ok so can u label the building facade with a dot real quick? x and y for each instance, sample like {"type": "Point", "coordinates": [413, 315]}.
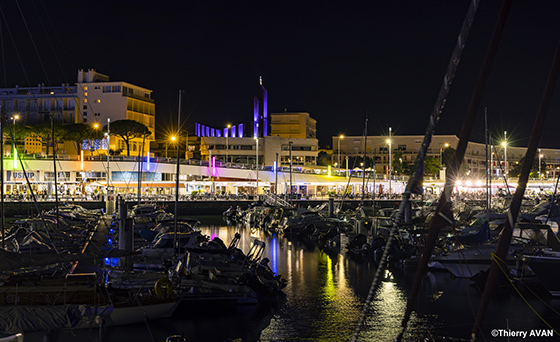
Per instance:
{"type": "Point", "coordinates": [501, 157]}
{"type": "Point", "coordinates": [293, 125]}
{"type": "Point", "coordinates": [93, 100]}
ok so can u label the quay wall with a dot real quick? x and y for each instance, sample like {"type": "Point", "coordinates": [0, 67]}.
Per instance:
{"type": "Point", "coordinates": [186, 208]}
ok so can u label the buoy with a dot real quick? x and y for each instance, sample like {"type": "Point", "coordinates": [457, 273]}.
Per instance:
{"type": "Point", "coordinates": [163, 287]}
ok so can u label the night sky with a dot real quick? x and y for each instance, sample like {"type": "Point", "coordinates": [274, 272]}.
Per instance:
{"type": "Point", "coordinates": [341, 61]}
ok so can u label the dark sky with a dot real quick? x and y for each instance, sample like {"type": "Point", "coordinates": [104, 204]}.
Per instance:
{"type": "Point", "coordinates": [341, 61]}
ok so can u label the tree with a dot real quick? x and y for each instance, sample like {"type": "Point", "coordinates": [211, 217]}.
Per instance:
{"type": "Point", "coordinates": [128, 130]}
{"type": "Point", "coordinates": [447, 156]}
{"type": "Point", "coordinates": [15, 132]}
{"type": "Point", "coordinates": [515, 170]}
{"type": "Point", "coordinates": [431, 166]}
{"type": "Point", "coordinates": [323, 159]}
{"type": "Point", "coordinates": [79, 132]}
{"type": "Point", "coordinates": [45, 132]}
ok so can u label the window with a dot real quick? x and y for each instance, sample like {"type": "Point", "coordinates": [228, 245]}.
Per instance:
{"type": "Point", "coordinates": [85, 120]}
{"type": "Point", "coordinates": [84, 107]}
{"type": "Point", "coordinates": [106, 89]}
{"type": "Point", "coordinates": [85, 100]}
{"type": "Point", "coordinates": [116, 89]}
{"type": "Point", "coordinates": [85, 88]}
{"type": "Point", "coordinates": [85, 94]}
{"type": "Point", "coordinates": [85, 113]}
{"type": "Point", "coordinates": [98, 101]}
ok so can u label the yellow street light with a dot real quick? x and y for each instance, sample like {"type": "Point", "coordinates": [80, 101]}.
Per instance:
{"type": "Point", "coordinates": [172, 138]}
{"type": "Point", "coordinates": [339, 138]}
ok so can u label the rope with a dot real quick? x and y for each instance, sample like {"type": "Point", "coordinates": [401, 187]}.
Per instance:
{"type": "Point", "coordinates": [500, 262]}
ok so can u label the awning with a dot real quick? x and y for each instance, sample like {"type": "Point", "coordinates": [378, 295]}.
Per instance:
{"type": "Point", "coordinates": [133, 185]}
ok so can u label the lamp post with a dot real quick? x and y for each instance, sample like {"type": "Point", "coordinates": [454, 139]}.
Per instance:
{"type": "Point", "coordinates": [390, 160]}
{"type": "Point", "coordinates": [540, 162]}
{"type": "Point", "coordinates": [290, 150]}
{"type": "Point", "coordinates": [339, 138]}
{"type": "Point", "coordinates": [257, 164]}
{"type": "Point", "coordinates": [227, 143]}
{"type": "Point", "coordinates": [92, 147]}
{"type": "Point", "coordinates": [446, 145]}
{"type": "Point", "coordinates": [504, 144]}
{"type": "Point", "coordinates": [172, 138]}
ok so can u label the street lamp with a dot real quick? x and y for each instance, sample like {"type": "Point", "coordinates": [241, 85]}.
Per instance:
{"type": "Point", "coordinates": [504, 144]}
{"type": "Point", "coordinates": [339, 138]}
{"type": "Point", "coordinates": [227, 143]}
{"type": "Point", "coordinates": [167, 145]}
{"type": "Point", "coordinates": [446, 145]}
{"type": "Point", "coordinates": [92, 147]}
{"type": "Point", "coordinates": [257, 164]}
{"type": "Point", "coordinates": [390, 160]}
{"type": "Point", "coordinates": [540, 161]}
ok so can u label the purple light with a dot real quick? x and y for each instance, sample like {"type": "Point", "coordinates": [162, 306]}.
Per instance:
{"type": "Point", "coordinates": [226, 133]}
{"type": "Point", "coordinates": [255, 117]}
{"type": "Point", "coordinates": [240, 131]}
{"type": "Point", "coordinates": [233, 131]}
{"type": "Point", "coordinates": [207, 131]}
{"type": "Point", "coordinates": [265, 111]}
{"type": "Point", "coordinates": [214, 166]}
{"type": "Point", "coordinates": [212, 132]}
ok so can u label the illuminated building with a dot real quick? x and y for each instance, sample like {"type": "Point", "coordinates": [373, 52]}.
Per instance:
{"type": "Point", "coordinates": [93, 99]}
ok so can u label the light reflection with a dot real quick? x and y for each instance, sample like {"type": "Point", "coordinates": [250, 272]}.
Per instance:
{"type": "Point", "coordinates": [274, 255]}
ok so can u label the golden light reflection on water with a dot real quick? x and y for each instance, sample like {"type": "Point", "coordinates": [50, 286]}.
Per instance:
{"type": "Point", "coordinates": [322, 300]}
{"type": "Point", "coordinates": [340, 306]}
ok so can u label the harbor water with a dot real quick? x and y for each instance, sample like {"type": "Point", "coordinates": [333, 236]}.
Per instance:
{"type": "Point", "coordinates": [325, 297]}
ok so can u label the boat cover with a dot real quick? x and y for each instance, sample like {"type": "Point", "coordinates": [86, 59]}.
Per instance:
{"type": "Point", "coordinates": [27, 319]}
{"type": "Point", "coordinates": [10, 261]}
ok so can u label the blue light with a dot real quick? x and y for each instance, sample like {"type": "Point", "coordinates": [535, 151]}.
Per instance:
{"type": "Point", "coordinates": [274, 166]}
{"type": "Point", "coordinates": [274, 255]}
{"type": "Point", "coordinates": [111, 261]}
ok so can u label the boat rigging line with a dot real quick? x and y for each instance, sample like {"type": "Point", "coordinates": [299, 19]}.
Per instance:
{"type": "Point", "coordinates": [515, 206]}
{"type": "Point", "coordinates": [414, 184]}
{"type": "Point", "coordinates": [443, 209]}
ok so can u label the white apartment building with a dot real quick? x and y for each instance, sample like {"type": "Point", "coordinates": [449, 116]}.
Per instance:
{"type": "Point", "coordinates": [94, 99]}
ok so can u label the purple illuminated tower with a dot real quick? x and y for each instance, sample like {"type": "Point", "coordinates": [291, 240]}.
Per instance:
{"type": "Point", "coordinates": [260, 113]}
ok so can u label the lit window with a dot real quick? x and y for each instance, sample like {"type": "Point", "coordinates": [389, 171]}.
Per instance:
{"type": "Point", "coordinates": [85, 100]}
{"type": "Point", "coordinates": [85, 88]}
{"type": "Point", "coordinates": [98, 101]}
{"type": "Point", "coordinates": [85, 94]}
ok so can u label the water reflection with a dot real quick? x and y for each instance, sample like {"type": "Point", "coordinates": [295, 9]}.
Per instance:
{"type": "Point", "coordinates": [324, 301]}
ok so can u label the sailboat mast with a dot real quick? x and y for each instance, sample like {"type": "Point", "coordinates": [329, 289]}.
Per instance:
{"type": "Point", "coordinates": [2, 172]}
{"type": "Point", "coordinates": [364, 167]}
{"type": "Point", "coordinates": [487, 170]}
{"type": "Point", "coordinates": [177, 179]}
{"type": "Point", "coordinates": [55, 174]}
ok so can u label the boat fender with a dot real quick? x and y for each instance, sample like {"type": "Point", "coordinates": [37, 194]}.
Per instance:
{"type": "Point", "coordinates": [163, 287]}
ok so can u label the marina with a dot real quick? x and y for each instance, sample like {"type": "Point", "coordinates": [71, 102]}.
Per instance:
{"type": "Point", "coordinates": [252, 231]}
{"type": "Point", "coordinates": [326, 290]}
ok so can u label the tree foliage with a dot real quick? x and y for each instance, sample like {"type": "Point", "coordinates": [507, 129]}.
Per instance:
{"type": "Point", "coordinates": [431, 166]}
{"type": "Point", "coordinates": [79, 132]}
{"type": "Point", "coordinates": [447, 156]}
{"type": "Point", "coordinates": [515, 169]}
{"type": "Point", "coordinates": [128, 130]}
